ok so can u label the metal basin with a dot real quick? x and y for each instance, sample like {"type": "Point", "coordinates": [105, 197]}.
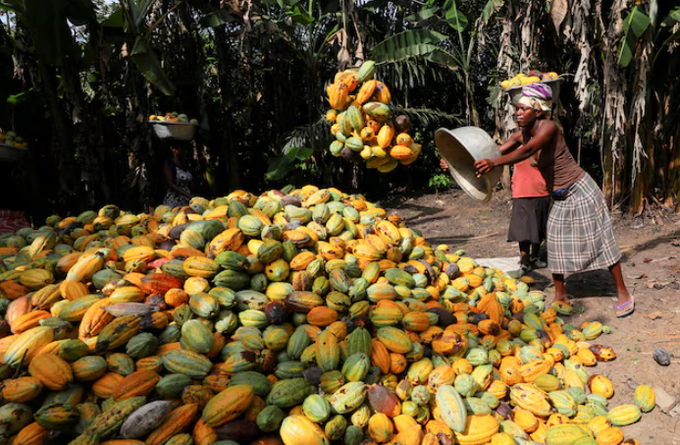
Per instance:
{"type": "Point", "coordinates": [461, 148]}
{"type": "Point", "coordinates": [183, 131]}
{"type": "Point", "coordinates": [11, 153]}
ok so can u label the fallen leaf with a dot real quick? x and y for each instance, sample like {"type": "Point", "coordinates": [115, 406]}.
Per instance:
{"type": "Point", "coordinates": [654, 315]}
{"type": "Point", "coordinates": [647, 260]}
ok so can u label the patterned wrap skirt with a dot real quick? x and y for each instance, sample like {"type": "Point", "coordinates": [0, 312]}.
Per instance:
{"type": "Point", "coordinates": [580, 232]}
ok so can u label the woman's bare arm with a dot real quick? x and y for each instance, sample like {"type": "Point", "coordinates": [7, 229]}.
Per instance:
{"type": "Point", "coordinates": [544, 135]}
{"type": "Point", "coordinates": [512, 143]}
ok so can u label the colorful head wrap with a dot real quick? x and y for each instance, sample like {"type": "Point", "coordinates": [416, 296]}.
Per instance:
{"type": "Point", "coordinates": [537, 96]}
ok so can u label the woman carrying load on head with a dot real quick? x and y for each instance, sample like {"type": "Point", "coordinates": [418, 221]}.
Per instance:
{"type": "Point", "coordinates": [177, 177]}
{"type": "Point", "coordinates": [580, 232]}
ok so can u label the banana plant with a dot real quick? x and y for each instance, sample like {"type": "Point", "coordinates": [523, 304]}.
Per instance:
{"type": "Point", "coordinates": [309, 29]}
{"type": "Point", "coordinates": [132, 17]}
{"type": "Point", "coordinates": [453, 52]}
{"type": "Point", "coordinates": [48, 25]}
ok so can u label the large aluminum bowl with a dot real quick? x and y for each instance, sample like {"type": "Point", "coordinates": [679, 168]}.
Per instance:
{"type": "Point", "coordinates": [461, 148]}
{"type": "Point", "coordinates": [183, 131]}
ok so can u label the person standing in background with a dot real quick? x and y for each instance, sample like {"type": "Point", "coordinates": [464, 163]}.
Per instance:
{"type": "Point", "coordinates": [530, 208]}
{"type": "Point", "coordinates": [177, 177]}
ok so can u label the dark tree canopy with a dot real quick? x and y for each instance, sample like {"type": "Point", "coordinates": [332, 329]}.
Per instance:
{"type": "Point", "coordinates": [78, 80]}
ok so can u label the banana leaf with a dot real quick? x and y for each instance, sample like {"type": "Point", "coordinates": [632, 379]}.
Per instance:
{"type": "Point", "coordinates": [150, 67]}
{"type": "Point", "coordinates": [411, 43]}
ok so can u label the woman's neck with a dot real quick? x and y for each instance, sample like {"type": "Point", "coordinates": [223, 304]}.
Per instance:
{"type": "Point", "coordinates": [534, 127]}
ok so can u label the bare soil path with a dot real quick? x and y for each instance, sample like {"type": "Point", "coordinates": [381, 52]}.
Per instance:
{"type": "Point", "coordinates": [651, 267]}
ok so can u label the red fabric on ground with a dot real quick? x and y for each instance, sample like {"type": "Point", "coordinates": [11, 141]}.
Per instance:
{"type": "Point", "coordinates": [12, 220]}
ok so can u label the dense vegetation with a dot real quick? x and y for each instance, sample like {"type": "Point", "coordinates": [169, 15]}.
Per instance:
{"type": "Point", "coordinates": [79, 78]}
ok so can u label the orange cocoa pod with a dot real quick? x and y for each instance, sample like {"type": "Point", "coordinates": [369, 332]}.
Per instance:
{"type": "Point", "coordinates": [22, 389]}
{"type": "Point", "coordinates": [12, 290]}
{"type": "Point", "coordinates": [17, 308]}
{"type": "Point", "coordinates": [6, 341]}
{"type": "Point", "coordinates": [321, 316]}
{"type": "Point", "coordinates": [72, 290]}
{"type": "Point", "coordinates": [106, 385]}
{"type": "Point", "coordinates": [397, 363]}
{"type": "Point", "coordinates": [139, 383]}
{"type": "Point", "coordinates": [28, 321]}
{"type": "Point", "coordinates": [178, 419]}
{"type": "Point", "coordinates": [380, 356]}
{"type": "Point", "coordinates": [53, 371]}
{"type": "Point", "coordinates": [95, 319]}
{"type": "Point", "coordinates": [31, 434]}
{"type": "Point", "coordinates": [217, 382]}
{"type": "Point", "coordinates": [203, 434]}
{"type": "Point", "coordinates": [176, 297]}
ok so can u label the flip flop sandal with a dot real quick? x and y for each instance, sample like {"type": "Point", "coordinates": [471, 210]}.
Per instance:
{"type": "Point", "coordinates": [626, 308]}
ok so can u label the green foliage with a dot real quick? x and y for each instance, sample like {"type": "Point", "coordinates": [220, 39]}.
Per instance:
{"type": "Point", "coordinates": [489, 9]}
{"type": "Point", "coordinates": [634, 25]}
{"type": "Point", "coordinates": [411, 43]}
{"type": "Point", "coordinates": [296, 157]}
{"type": "Point", "coordinates": [16, 99]}
{"type": "Point", "coordinates": [440, 181]}
{"type": "Point", "coordinates": [255, 75]}
{"type": "Point", "coordinates": [150, 66]}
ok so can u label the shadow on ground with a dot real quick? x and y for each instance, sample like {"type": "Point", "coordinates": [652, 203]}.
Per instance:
{"type": "Point", "coordinates": [628, 251]}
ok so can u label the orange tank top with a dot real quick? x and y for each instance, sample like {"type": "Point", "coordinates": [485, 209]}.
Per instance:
{"type": "Point", "coordinates": [527, 181]}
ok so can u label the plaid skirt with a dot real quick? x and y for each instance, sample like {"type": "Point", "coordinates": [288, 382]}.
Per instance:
{"type": "Point", "coordinates": [580, 232]}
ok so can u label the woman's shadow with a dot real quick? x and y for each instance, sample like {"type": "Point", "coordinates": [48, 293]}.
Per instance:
{"type": "Point", "coordinates": [590, 284]}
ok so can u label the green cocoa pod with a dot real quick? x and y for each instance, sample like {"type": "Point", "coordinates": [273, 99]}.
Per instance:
{"type": "Point", "coordinates": [270, 418]}
{"type": "Point", "coordinates": [316, 408]}
{"type": "Point", "coordinates": [289, 393]}
{"type": "Point", "coordinates": [349, 397]}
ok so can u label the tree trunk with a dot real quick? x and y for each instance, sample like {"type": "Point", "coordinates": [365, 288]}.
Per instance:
{"type": "Point", "coordinates": [673, 196]}
{"type": "Point", "coordinates": [70, 193]}
{"type": "Point", "coordinates": [228, 156]}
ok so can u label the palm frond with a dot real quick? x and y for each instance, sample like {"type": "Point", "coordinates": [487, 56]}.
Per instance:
{"type": "Point", "coordinates": [411, 43]}
{"type": "Point", "coordinates": [316, 136]}
{"type": "Point", "coordinates": [410, 73]}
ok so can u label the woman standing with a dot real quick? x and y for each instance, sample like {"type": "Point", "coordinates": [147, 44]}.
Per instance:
{"type": "Point", "coordinates": [530, 208]}
{"type": "Point", "coordinates": [580, 232]}
{"type": "Point", "coordinates": [177, 177]}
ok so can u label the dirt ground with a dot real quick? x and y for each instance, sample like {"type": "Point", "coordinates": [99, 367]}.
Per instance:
{"type": "Point", "coordinates": [651, 267]}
